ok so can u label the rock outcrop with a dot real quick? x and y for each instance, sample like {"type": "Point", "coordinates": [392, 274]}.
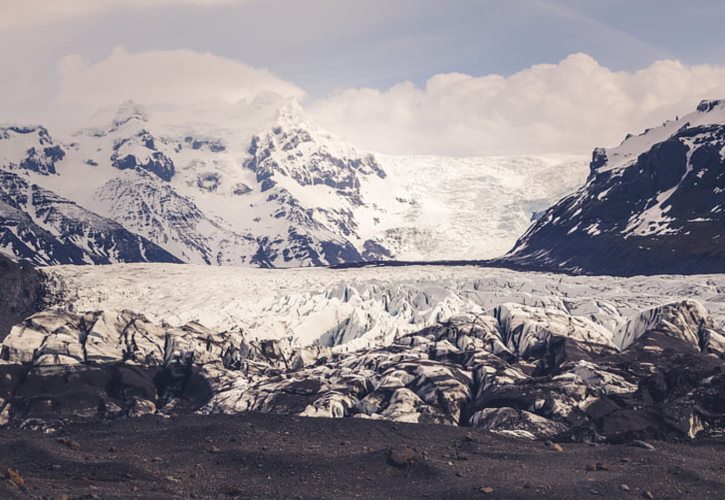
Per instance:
{"type": "Point", "coordinates": [21, 293]}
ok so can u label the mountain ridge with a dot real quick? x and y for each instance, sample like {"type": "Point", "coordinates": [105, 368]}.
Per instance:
{"type": "Point", "coordinates": [268, 188]}
{"type": "Point", "coordinates": [653, 205]}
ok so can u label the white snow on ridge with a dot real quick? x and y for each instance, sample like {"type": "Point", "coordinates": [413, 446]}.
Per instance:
{"type": "Point", "coordinates": [361, 307]}
{"type": "Point", "coordinates": [709, 113]}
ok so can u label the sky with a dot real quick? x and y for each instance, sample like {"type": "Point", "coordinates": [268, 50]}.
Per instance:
{"type": "Point", "coordinates": [448, 77]}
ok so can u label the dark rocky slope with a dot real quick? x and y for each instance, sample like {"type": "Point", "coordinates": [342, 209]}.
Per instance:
{"type": "Point", "coordinates": [654, 205]}
{"type": "Point", "coordinates": [20, 293]}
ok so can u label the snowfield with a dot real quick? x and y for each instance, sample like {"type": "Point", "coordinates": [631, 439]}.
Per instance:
{"type": "Point", "coordinates": [352, 308]}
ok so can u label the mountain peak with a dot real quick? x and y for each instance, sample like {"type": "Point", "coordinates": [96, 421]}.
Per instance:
{"type": "Point", "coordinates": [129, 110]}
{"type": "Point", "coordinates": [708, 105]}
{"type": "Point", "coordinates": [292, 115]}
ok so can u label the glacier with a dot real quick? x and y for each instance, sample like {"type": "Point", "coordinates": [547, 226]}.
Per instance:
{"type": "Point", "coordinates": [532, 355]}
{"type": "Point", "coordinates": [360, 307]}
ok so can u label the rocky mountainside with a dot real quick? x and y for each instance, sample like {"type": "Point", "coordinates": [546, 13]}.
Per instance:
{"type": "Point", "coordinates": [260, 186]}
{"type": "Point", "coordinates": [21, 293]}
{"type": "Point", "coordinates": [653, 205]}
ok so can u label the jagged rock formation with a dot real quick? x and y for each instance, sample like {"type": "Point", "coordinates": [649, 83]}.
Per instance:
{"type": "Point", "coordinates": [538, 376]}
{"type": "Point", "coordinates": [653, 205]}
{"type": "Point", "coordinates": [39, 226]}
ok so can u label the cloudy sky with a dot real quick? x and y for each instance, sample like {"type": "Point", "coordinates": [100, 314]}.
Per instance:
{"type": "Point", "coordinates": [452, 77]}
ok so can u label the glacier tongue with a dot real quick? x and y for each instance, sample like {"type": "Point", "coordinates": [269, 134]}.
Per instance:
{"type": "Point", "coordinates": [558, 378]}
{"type": "Point", "coordinates": [366, 306]}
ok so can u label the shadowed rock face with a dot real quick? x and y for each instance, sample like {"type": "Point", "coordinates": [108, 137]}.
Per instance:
{"type": "Point", "coordinates": [40, 154]}
{"type": "Point", "coordinates": [525, 372]}
{"type": "Point", "coordinates": [41, 227]}
{"type": "Point", "coordinates": [660, 210]}
{"type": "Point", "coordinates": [20, 293]}
{"type": "Point", "coordinates": [152, 160]}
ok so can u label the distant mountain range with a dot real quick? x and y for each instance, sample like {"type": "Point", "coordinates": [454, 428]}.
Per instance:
{"type": "Point", "coordinates": [653, 205]}
{"type": "Point", "coordinates": [264, 188]}
{"type": "Point", "coordinates": [268, 188]}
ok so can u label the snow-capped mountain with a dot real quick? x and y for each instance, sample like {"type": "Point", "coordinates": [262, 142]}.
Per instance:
{"type": "Point", "coordinates": [40, 226]}
{"type": "Point", "coordinates": [653, 205]}
{"type": "Point", "coordinates": [263, 186]}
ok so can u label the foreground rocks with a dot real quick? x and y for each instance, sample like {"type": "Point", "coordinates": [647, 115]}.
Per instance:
{"type": "Point", "coordinates": [522, 371]}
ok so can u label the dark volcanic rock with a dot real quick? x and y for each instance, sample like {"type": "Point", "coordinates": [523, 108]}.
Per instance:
{"type": "Point", "coordinates": [651, 206]}
{"type": "Point", "coordinates": [21, 292]}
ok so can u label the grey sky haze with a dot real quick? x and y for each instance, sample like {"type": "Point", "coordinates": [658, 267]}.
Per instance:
{"type": "Point", "coordinates": [328, 46]}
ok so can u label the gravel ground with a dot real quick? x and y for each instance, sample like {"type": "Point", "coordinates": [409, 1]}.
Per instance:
{"type": "Point", "coordinates": [268, 456]}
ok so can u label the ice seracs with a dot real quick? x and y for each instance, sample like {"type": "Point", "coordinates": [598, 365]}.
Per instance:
{"type": "Point", "coordinates": [530, 355]}
{"type": "Point", "coordinates": [123, 364]}
{"type": "Point", "coordinates": [359, 307]}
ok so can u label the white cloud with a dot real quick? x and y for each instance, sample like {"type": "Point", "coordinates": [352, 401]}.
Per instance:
{"type": "Point", "coordinates": [172, 78]}
{"type": "Point", "coordinates": [26, 13]}
{"type": "Point", "coordinates": [570, 106]}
